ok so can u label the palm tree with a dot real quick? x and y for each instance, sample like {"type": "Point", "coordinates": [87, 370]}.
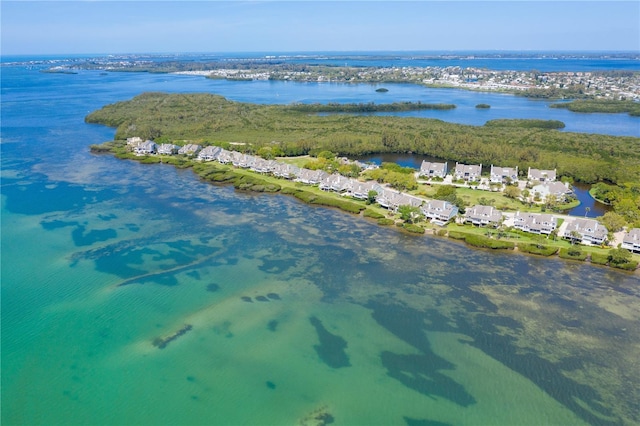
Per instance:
{"type": "Point", "coordinates": [586, 211]}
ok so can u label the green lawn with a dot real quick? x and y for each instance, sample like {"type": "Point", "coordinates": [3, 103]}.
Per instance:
{"type": "Point", "coordinates": [497, 199]}
{"type": "Point", "coordinates": [296, 161]}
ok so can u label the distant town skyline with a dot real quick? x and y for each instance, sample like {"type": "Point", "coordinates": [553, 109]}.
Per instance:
{"type": "Point", "coordinates": [112, 27]}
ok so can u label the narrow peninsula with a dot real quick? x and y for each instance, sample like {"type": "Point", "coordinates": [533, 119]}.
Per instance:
{"type": "Point", "coordinates": [291, 150]}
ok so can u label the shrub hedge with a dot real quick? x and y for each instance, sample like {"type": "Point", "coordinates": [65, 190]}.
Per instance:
{"type": "Point", "coordinates": [372, 214]}
{"type": "Point", "coordinates": [570, 253]}
{"type": "Point", "coordinates": [416, 229]}
{"type": "Point", "coordinates": [481, 241]}
{"type": "Point", "coordinates": [537, 249]}
{"type": "Point", "coordinates": [599, 259]}
{"type": "Point", "coordinates": [456, 235]}
{"type": "Point", "coordinates": [629, 266]}
{"type": "Point", "coordinates": [311, 198]}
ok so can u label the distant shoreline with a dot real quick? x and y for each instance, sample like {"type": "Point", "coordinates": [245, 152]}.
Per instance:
{"type": "Point", "coordinates": [463, 70]}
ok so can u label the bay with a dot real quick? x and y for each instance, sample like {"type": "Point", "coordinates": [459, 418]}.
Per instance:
{"type": "Point", "coordinates": [297, 313]}
{"type": "Point", "coordinates": [503, 106]}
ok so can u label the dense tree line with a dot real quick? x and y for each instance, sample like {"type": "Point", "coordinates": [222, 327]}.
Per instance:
{"type": "Point", "coordinates": [526, 123]}
{"type": "Point", "coordinates": [396, 179]}
{"type": "Point", "coordinates": [366, 107]}
{"type": "Point", "coordinates": [601, 105]}
{"type": "Point", "coordinates": [625, 200]}
{"type": "Point", "coordinates": [211, 119]}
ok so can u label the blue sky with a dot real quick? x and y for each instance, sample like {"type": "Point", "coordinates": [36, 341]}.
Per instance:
{"type": "Point", "coordinates": [74, 27]}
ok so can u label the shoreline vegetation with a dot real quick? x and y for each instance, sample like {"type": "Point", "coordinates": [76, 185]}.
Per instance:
{"type": "Point", "coordinates": [526, 124]}
{"type": "Point", "coordinates": [366, 107]}
{"type": "Point", "coordinates": [601, 106]}
{"type": "Point", "coordinates": [217, 121]}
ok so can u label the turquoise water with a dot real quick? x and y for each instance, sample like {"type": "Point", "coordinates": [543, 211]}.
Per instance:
{"type": "Point", "coordinates": [296, 313]}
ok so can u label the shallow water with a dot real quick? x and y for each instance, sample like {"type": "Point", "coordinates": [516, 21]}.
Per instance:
{"type": "Point", "coordinates": [295, 311]}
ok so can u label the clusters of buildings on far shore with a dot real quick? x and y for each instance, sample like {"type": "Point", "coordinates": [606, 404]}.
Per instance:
{"type": "Point", "coordinates": [595, 84]}
{"type": "Point", "coordinates": [591, 83]}
{"type": "Point", "coordinates": [581, 230]}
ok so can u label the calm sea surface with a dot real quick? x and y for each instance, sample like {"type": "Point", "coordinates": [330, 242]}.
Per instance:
{"type": "Point", "coordinates": [268, 92]}
{"type": "Point", "coordinates": [296, 313]}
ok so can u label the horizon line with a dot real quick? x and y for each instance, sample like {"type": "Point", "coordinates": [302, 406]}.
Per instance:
{"type": "Point", "coordinates": [405, 51]}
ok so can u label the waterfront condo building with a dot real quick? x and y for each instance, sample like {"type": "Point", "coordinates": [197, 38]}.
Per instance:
{"type": "Point", "coordinates": [431, 170]}
{"type": "Point", "coordinates": [468, 172]}
{"type": "Point", "coordinates": [536, 175]}
{"type": "Point", "coordinates": [503, 174]}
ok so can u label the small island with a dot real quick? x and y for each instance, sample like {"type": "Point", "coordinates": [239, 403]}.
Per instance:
{"type": "Point", "coordinates": [601, 106]}
{"type": "Point", "coordinates": [59, 71]}
{"type": "Point", "coordinates": [382, 90]}
{"type": "Point", "coordinates": [483, 106]}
